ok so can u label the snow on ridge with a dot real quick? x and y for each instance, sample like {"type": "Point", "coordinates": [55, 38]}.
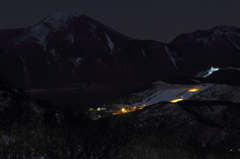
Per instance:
{"type": "Point", "coordinates": [143, 53]}
{"type": "Point", "coordinates": [60, 18]}
{"type": "Point", "coordinates": [110, 43]}
{"type": "Point", "coordinates": [223, 29]}
{"type": "Point", "coordinates": [213, 34]}
{"type": "Point", "coordinates": [57, 20]}
{"type": "Point", "coordinates": [100, 62]}
{"type": "Point", "coordinates": [197, 81]}
{"type": "Point", "coordinates": [53, 52]}
{"type": "Point", "coordinates": [171, 57]}
{"type": "Point", "coordinates": [40, 32]}
{"type": "Point", "coordinates": [56, 58]}
{"type": "Point", "coordinates": [210, 71]}
{"type": "Point", "coordinates": [93, 26]}
{"type": "Point", "coordinates": [22, 58]}
{"type": "Point", "coordinates": [234, 43]}
{"type": "Point", "coordinates": [78, 61]}
{"type": "Point", "coordinates": [70, 37]}
{"type": "Point", "coordinates": [230, 68]}
{"type": "Point", "coordinates": [92, 29]}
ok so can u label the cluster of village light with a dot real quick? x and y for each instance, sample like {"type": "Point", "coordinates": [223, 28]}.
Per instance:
{"type": "Point", "coordinates": [125, 109]}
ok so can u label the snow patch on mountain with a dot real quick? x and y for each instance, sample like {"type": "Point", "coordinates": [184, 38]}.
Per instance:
{"type": "Point", "coordinates": [92, 29]}
{"type": "Point", "coordinates": [70, 37]}
{"type": "Point", "coordinates": [212, 69]}
{"type": "Point", "coordinates": [57, 21]}
{"type": "Point", "coordinates": [22, 58]}
{"type": "Point", "coordinates": [40, 33]}
{"type": "Point", "coordinates": [110, 43]}
{"type": "Point", "coordinates": [207, 72]}
{"type": "Point", "coordinates": [56, 58]}
{"type": "Point", "coordinates": [202, 40]}
{"type": "Point", "coordinates": [223, 30]}
{"type": "Point", "coordinates": [209, 37]}
{"type": "Point", "coordinates": [234, 43]}
{"type": "Point", "coordinates": [93, 26]}
{"type": "Point", "coordinates": [37, 110]}
{"type": "Point", "coordinates": [53, 52]}
{"type": "Point", "coordinates": [100, 62]}
{"type": "Point", "coordinates": [78, 61]}
{"type": "Point", "coordinates": [60, 19]}
{"type": "Point", "coordinates": [197, 81]}
{"type": "Point", "coordinates": [230, 68]}
{"type": "Point", "coordinates": [171, 56]}
{"type": "Point", "coordinates": [143, 53]}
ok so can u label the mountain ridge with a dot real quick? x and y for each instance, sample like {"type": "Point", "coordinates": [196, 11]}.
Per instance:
{"type": "Point", "coordinates": [71, 50]}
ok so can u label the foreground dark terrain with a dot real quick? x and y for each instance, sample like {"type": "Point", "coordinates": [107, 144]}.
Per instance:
{"type": "Point", "coordinates": [188, 129]}
{"type": "Point", "coordinates": [72, 87]}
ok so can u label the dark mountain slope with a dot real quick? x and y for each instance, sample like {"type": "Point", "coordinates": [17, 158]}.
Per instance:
{"type": "Point", "coordinates": [71, 56]}
{"type": "Point", "coordinates": [202, 49]}
{"type": "Point", "coordinates": [209, 124]}
{"type": "Point", "coordinates": [70, 51]}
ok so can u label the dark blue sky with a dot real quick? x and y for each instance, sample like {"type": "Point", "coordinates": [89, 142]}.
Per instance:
{"type": "Point", "coordinates": [160, 20]}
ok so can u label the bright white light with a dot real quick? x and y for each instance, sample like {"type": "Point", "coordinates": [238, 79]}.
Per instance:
{"type": "Point", "coordinates": [212, 69]}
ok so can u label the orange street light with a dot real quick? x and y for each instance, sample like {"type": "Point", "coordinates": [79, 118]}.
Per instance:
{"type": "Point", "coordinates": [193, 89]}
{"type": "Point", "coordinates": [176, 100]}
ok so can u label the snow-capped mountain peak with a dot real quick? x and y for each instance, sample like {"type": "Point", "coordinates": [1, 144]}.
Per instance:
{"type": "Point", "coordinates": [53, 23]}
{"type": "Point", "coordinates": [207, 37]}
{"type": "Point", "coordinates": [61, 18]}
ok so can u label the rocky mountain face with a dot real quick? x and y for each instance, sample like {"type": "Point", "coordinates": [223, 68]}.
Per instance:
{"type": "Point", "coordinates": [71, 58]}
{"type": "Point", "coordinates": [202, 49]}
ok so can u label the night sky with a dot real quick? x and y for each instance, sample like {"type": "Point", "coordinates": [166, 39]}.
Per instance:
{"type": "Point", "coordinates": [160, 20]}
